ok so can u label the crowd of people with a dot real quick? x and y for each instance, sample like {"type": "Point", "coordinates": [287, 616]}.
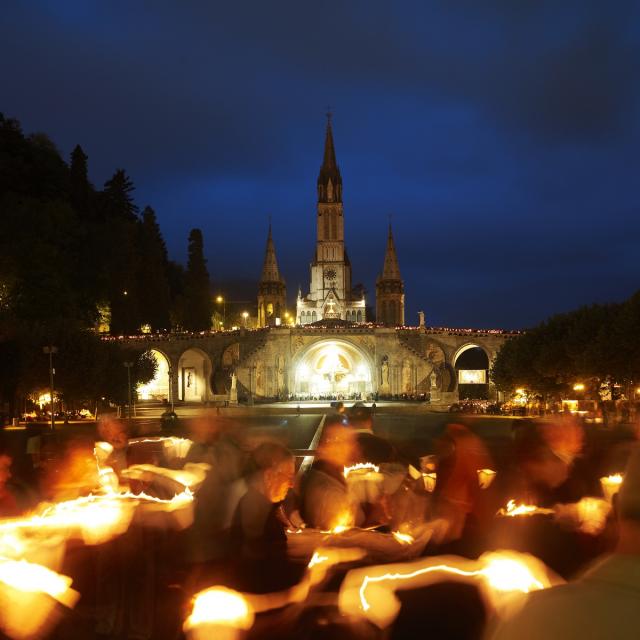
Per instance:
{"type": "Point", "coordinates": [260, 513]}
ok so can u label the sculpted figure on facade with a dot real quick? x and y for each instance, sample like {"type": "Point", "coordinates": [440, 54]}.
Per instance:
{"type": "Point", "coordinates": [384, 380]}
{"type": "Point", "coordinates": [280, 375]}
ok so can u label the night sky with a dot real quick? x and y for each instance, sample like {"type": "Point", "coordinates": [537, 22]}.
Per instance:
{"type": "Point", "coordinates": [502, 136]}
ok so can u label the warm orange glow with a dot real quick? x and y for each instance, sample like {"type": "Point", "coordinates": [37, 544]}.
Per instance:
{"type": "Point", "coordinates": [578, 386]}
{"type": "Point", "coordinates": [317, 559]}
{"type": "Point", "coordinates": [403, 538]}
{"type": "Point", "coordinates": [33, 578]}
{"type": "Point", "coordinates": [28, 596]}
{"type": "Point", "coordinates": [220, 606]}
{"type": "Point", "coordinates": [611, 485]}
{"type": "Point", "coordinates": [500, 573]}
{"type": "Point", "coordinates": [485, 477]}
{"type": "Point", "coordinates": [430, 480]}
{"type": "Point", "coordinates": [361, 467]}
{"type": "Point", "coordinates": [513, 510]}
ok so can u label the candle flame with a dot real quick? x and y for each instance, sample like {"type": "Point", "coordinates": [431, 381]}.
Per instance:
{"type": "Point", "coordinates": [512, 510]}
{"type": "Point", "coordinates": [220, 606]}
{"type": "Point", "coordinates": [317, 559]}
{"type": "Point", "coordinates": [403, 538]}
{"type": "Point", "coordinates": [500, 571]}
{"type": "Point", "coordinates": [361, 466]}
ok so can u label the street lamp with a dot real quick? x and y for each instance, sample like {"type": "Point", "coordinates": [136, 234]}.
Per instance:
{"type": "Point", "coordinates": [245, 315]}
{"type": "Point", "coordinates": [50, 350]}
{"type": "Point", "coordinates": [223, 302]}
{"type": "Point", "coordinates": [129, 365]}
{"type": "Point", "coordinates": [170, 374]}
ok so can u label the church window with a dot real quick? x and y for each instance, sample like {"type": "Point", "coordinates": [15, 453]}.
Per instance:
{"type": "Point", "coordinates": [359, 316]}
{"type": "Point", "coordinates": [326, 226]}
{"type": "Point", "coordinates": [313, 316]}
{"type": "Point", "coordinates": [334, 233]}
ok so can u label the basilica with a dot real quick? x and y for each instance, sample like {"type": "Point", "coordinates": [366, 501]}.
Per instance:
{"type": "Point", "coordinates": [330, 295]}
{"type": "Point", "coordinates": [332, 349]}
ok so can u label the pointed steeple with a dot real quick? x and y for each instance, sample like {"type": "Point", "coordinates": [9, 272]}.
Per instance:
{"type": "Point", "coordinates": [329, 179]}
{"type": "Point", "coordinates": [391, 269]}
{"type": "Point", "coordinates": [390, 288]}
{"type": "Point", "coordinates": [270, 271]}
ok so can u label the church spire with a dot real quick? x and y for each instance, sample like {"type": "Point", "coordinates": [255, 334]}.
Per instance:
{"type": "Point", "coordinates": [329, 179]}
{"type": "Point", "coordinates": [272, 292]}
{"type": "Point", "coordinates": [270, 271]}
{"type": "Point", "coordinates": [390, 288]}
{"type": "Point", "coordinates": [391, 269]}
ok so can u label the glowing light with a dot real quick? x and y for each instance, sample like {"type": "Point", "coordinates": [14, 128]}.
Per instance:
{"type": "Point", "coordinates": [578, 386]}
{"type": "Point", "coordinates": [430, 480]}
{"type": "Point", "coordinates": [403, 538]}
{"type": "Point", "coordinates": [317, 559]}
{"type": "Point", "coordinates": [33, 578]}
{"type": "Point", "coordinates": [520, 391]}
{"type": "Point", "coordinates": [485, 477]}
{"type": "Point", "coordinates": [220, 606]}
{"type": "Point", "coordinates": [360, 467]}
{"type": "Point", "coordinates": [501, 572]}
{"type": "Point", "coordinates": [611, 485]}
{"type": "Point", "coordinates": [513, 510]}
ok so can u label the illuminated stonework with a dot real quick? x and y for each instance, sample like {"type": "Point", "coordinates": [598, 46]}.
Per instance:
{"type": "Point", "coordinates": [333, 368]}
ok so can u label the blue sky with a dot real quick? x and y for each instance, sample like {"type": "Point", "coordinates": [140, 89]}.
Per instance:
{"type": "Point", "coordinates": [502, 136]}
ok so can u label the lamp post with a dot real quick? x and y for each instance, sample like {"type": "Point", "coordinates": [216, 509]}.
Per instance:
{"type": "Point", "coordinates": [245, 315]}
{"type": "Point", "coordinates": [221, 300]}
{"type": "Point", "coordinates": [170, 374]}
{"type": "Point", "coordinates": [128, 365]}
{"type": "Point", "coordinates": [50, 350]}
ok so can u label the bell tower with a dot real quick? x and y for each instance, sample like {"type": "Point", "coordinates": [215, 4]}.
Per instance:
{"type": "Point", "coordinates": [272, 291]}
{"type": "Point", "coordinates": [330, 270]}
{"type": "Point", "coordinates": [390, 288]}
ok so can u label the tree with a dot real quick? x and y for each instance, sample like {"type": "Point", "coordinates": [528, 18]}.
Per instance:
{"type": "Point", "coordinates": [198, 305]}
{"type": "Point", "coordinates": [153, 282]}
{"type": "Point", "coordinates": [120, 259]}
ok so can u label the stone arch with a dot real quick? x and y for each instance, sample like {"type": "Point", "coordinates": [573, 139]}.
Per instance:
{"type": "Point", "coordinates": [331, 368]}
{"type": "Point", "coordinates": [194, 375]}
{"type": "Point", "coordinates": [160, 387]}
{"type": "Point", "coordinates": [359, 316]}
{"type": "Point", "coordinates": [471, 362]}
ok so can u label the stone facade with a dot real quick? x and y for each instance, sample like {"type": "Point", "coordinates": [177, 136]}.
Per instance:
{"type": "Point", "coordinates": [268, 363]}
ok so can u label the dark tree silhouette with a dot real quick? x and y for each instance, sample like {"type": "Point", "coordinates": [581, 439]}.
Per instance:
{"type": "Point", "coordinates": [198, 304]}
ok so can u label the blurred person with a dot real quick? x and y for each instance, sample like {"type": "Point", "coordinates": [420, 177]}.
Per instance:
{"type": "Point", "coordinates": [603, 602]}
{"type": "Point", "coordinates": [126, 566]}
{"type": "Point", "coordinates": [259, 527]}
{"type": "Point", "coordinates": [207, 541]}
{"type": "Point", "coordinates": [552, 460]}
{"type": "Point", "coordinates": [459, 500]}
{"type": "Point", "coordinates": [9, 502]}
{"type": "Point", "coordinates": [324, 495]}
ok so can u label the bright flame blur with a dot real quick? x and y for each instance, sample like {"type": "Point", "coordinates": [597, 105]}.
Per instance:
{"type": "Point", "coordinates": [28, 596]}
{"type": "Point", "coordinates": [611, 485]}
{"type": "Point", "coordinates": [317, 559]}
{"type": "Point", "coordinates": [502, 575]}
{"type": "Point", "coordinates": [485, 477]}
{"type": "Point", "coordinates": [513, 510]}
{"type": "Point", "coordinates": [361, 466]}
{"type": "Point", "coordinates": [220, 606]}
{"type": "Point", "coordinates": [403, 538]}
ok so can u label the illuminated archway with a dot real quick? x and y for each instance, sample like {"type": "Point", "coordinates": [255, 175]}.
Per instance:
{"type": "Point", "coordinates": [471, 364]}
{"type": "Point", "coordinates": [158, 388]}
{"type": "Point", "coordinates": [194, 373]}
{"type": "Point", "coordinates": [333, 368]}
